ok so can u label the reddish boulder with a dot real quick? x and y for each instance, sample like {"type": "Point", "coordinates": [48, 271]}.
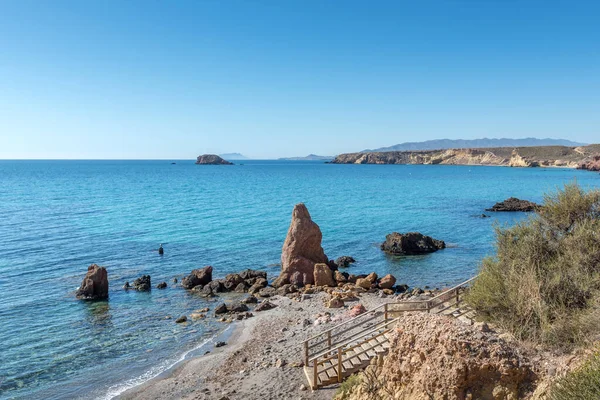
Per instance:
{"type": "Point", "coordinates": [323, 276]}
{"type": "Point", "coordinates": [94, 285]}
{"type": "Point", "coordinates": [302, 248]}
{"type": "Point", "coordinates": [387, 282]}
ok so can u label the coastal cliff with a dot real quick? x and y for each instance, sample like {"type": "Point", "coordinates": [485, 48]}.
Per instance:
{"type": "Point", "coordinates": [543, 156]}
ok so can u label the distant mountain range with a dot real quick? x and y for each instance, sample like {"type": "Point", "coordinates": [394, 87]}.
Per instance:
{"type": "Point", "coordinates": [442, 144]}
{"type": "Point", "coordinates": [233, 156]}
{"type": "Point", "coordinates": [310, 157]}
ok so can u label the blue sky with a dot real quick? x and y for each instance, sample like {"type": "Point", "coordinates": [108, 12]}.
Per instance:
{"type": "Point", "coordinates": [155, 79]}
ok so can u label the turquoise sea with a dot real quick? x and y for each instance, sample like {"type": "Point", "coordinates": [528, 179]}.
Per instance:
{"type": "Point", "coordinates": [58, 217]}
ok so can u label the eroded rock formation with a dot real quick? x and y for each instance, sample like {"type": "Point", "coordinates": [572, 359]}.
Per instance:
{"type": "Point", "coordinates": [536, 156]}
{"type": "Point", "coordinates": [301, 249]}
{"type": "Point", "coordinates": [94, 285]}
{"type": "Point", "coordinates": [437, 357]}
{"type": "Point", "coordinates": [411, 243]}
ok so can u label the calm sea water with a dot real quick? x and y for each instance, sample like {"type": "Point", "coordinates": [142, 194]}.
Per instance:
{"type": "Point", "coordinates": [57, 217]}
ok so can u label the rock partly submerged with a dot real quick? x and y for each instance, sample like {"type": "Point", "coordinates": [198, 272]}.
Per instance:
{"type": "Point", "coordinates": [411, 243]}
{"type": "Point", "coordinates": [94, 285]}
{"type": "Point", "coordinates": [211, 159]}
{"type": "Point", "coordinates": [513, 204]}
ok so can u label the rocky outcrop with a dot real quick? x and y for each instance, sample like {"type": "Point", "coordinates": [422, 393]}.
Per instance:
{"type": "Point", "coordinates": [211, 159]}
{"type": "Point", "coordinates": [142, 284]}
{"type": "Point", "coordinates": [201, 276]}
{"type": "Point", "coordinates": [536, 156]}
{"type": "Point", "coordinates": [514, 204]}
{"type": "Point", "coordinates": [411, 243]}
{"type": "Point", "coordinates": [590, 164]}
{"type": "Point", "coordinates": [301, 249]}
{"type": "Point", "coordinates": [437, 357]}
{"type": "Point", "coordinates": [94, 285]}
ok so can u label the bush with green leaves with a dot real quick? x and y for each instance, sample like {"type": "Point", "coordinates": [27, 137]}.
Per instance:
{"type": "Point", "coordinates": [543, 285]}
{"type": "Point", "coordinates": [581, 384]}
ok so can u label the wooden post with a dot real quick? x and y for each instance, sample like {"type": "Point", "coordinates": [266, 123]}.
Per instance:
{"type": "Point", "coordinates": [328, 340]}
{"type": "Point", "coordinates": [339, 365]}
{"type": "Point", "coordinates": [427, 304]}
{"type": "Point", "coordinates": [306, 353]}
{"type": "Point", "coordinates": [315, 373]}
{"type": "Point", "coordinates": [385, 313]}
{"type": "Point", "coordinates": [457, 295]}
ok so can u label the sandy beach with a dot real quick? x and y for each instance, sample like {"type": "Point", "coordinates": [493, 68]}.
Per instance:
{"type": "Point", "coordinates": [261, 360]}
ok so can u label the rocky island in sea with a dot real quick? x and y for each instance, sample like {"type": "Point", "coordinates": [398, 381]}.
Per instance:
{"type": "Point", "coordinates": [211, 159]}
{"type": "Point", "coordinates": [583, 157]}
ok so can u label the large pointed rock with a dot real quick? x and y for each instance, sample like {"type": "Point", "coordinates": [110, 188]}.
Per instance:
{"type": "Point", "coordinates": [94, 285]}
{"type": "Point", "coordinates": [301, 249]}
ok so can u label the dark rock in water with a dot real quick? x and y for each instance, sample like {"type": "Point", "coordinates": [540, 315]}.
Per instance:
{"type": "Point", "coordinates": [301, 249]}
{"type": "Point", "coordinates": [220, 344]}
{"type": "Point", "coordinates": [264, 306]}
{"type": "Point", "coordinates": [162, 285]}
{"type": "Point", "coordinates": [401, 288]}
{"type": "Point", "coordinates": [211, 159]}
{"type": "Point", "coordinates": [514, 204]}
{"type": "Point", "coordinates": [484, 216]}
{"type": "Point", "coordinates": [94, 285]}
{"type": "Point", "coordinates": [344, 261]}
{"type": "Point", "coordinates": [237, 307]}
{"type": "Point", "coordinates": [250, 300]}
{"type": "Point", "coordinates": [216, 286]}
{"type": "Point", "coordinates": [201, 276]}
{"type": "Point", "coordinates": [161, 251]}
{"type": "Point", "coordinates": [220, 309]}
{"type": "Point", "coordinates": [411, 243]}
{"type": "Point", "coordinates": [142, 283]}
{"type": "Point", "coordinates": [126, 286]}
{"type": "Point", "coordinates": [181, 319]}
{"type": "Point", "coordinates": [174, 280]}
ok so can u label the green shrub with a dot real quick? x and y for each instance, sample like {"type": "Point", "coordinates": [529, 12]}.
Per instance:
{"type": "Point", "coordinates": [347, 387]}
{"type": "Point", "coordinates": [580, 384]}
{"type": "Point", "coordinates": [543, 284]}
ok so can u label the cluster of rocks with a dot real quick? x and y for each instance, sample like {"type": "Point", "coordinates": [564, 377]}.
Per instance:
{"type": "Point", "coordinates": [247, 281]}
{"type": "Point", "coordinates": [514, 204]}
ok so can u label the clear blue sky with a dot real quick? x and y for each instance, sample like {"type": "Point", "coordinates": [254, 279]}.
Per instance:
{"type": "Point", "coordinates": [173, 79]}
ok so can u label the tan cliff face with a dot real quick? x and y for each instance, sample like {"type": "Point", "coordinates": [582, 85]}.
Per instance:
{"type": "Point", "coordinates": [543, 156]}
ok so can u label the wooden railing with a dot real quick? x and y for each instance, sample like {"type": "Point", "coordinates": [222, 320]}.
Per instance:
{"type": "Point", "coordinates": [333, 343]}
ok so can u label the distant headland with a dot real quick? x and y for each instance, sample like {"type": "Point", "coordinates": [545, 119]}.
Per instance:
{"type": "Point", "coordinates": [583, 157]}
{"type": "Point", "coordinates": [233, 156]}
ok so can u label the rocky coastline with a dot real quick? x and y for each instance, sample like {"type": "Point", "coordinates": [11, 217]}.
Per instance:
{"type": "Point", "coordinates": [582, 157]}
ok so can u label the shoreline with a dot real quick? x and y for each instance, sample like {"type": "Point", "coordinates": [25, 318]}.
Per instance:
{"type": "Point", "coordinates": [262, 358]}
